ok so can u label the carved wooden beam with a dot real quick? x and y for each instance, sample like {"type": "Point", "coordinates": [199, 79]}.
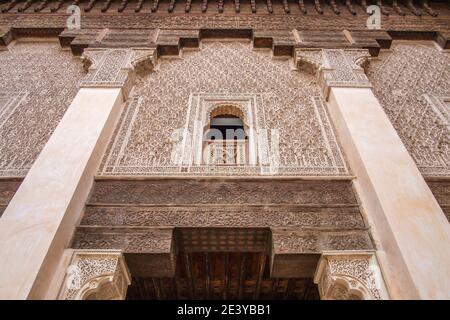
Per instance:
{"type": "Point", "coordinates": [412, 8]}
{"type": "Point", "coordinates": [253, 5]}
{"type": "Point", "coordinates": [76, 2]}
{"type": "Point", "coordinates": [122, 6]}
{"type": "Point", "coordinates": [241, 276]}
{"type": "Point", "coordinates": [382, 8]}
{"type": "Point", "coordinates": [286, 6]}
{"type": "Point", "coordinates": [295, 252]}
{"type": "Point", "coordinates": [220, 5]}
{"type": "Point", "coordinates": [40, 7]}
{"type": "Point", "coordinates": [397, 8]}
{"type": "Point", "coordinates": [301, 4]}
{"type": "Point", "coordinates": [171, 6]}
{"type": "Point", "coordinates": [89, 6]}
{"type": "Point", "coordinates": [191, 285]}
{"type": "Point", "coordinates": [225, 276]}
{"type": "Point", "coordinates": [208, 275]}
{"type": "Point", "coordinates": [139, 6]}
{"type": "Point", "coordinates": [106, 5]}
{"type": "Point", "coordinates": [348, 4]}
{"type": "Point", "coordinates": [57, 6]}
{"type": "Point", "coordinates": [269, 6]}
{"type": "Point", "coordinates": [10, 5]}
{"type": "Point", "coordinates": [318, 7]}
{"type": "Point", "coordinates": [261, 265]}
{"type": "Point", "coordinates": [155, 5]}
{"type": "Point", "coordinates": [427, 8]}
{"type": "Point", "coordinates": [187, 8]}
{"type": "Point", "coordinates": [335, 7]}
{"type": "Point", "coordinates": [364, 5]}
{"type": "Point", "coordinates": [25, 6]}
{"type": "Point", "coordinates": [204, 5]}
{"type": "Point", "coordinates": [237, 6]}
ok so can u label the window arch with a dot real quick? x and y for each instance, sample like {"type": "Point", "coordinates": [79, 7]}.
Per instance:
{"type": "Point", "coordinates": [225, 138]}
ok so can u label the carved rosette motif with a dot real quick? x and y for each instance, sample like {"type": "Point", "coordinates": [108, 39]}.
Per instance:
{"type": "Point", "coordinates": [335, 67]}
{"type": "Point", "coordinates": [96, 275]}
{"type": "Point", "coordinates": [116, 68]}
{"type": "Point", "coordinates": [352, 275]}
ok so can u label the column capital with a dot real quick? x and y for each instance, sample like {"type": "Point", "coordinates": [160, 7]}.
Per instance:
{"type": "Point", "coordinates": [335, 67]}
{"type": "Point", "coordinates": [116, 68]}
{"type": "Point", "coordinates": [96, 275]}
{"type": "Point", "coordinates": [350, 275]}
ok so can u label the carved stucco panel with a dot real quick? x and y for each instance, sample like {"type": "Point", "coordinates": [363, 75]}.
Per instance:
{"type": "Point", "coordinates": [350, 275]}
{"type": "Point", "coordinates": [37, 84]}
{"type": "Point", "coordinates": [412, 83]}
{"type": "Point", "coordinates": [143, 140]}
{"type": "Point", "coordinates": [96, 275]}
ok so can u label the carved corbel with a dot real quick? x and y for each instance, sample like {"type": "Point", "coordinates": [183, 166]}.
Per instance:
{"type": "Point", "coordinates": [351, 275]}
{"type": "Point", "coordinates": [96, 275]}
{"type": "Point", "coordinates": [116, 68]}
{"type": "Point", "coordinates": [335, 67]}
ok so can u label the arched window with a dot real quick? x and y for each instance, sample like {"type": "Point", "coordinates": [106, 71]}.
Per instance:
{"type": "Point", "coordinates": [226, 127]}
{"type": "Point", "coordinates": [225, 139]}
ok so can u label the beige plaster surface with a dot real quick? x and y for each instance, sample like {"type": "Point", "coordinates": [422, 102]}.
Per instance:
{"type": "Point", "coordinates": [412, 230]}
{"type": "Point", "coordinates": [37, 224]}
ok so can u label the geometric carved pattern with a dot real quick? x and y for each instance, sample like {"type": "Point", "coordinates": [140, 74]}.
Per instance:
{"type": "Point", "coordinates": [96, 275]}
{"type": "Point", "coordinates": [116, 68]}
{"type": "Point", "coordinates": [138, 216]}
{"type": "Point", "coordinates": [38, 82]}
{"type": "Point", "coordinates": [335, 67]}
{"type": "Point", "coordinates": [350, 276]}
{"type": "Point", "coordinates": [143, 141]}
{"type": "Point", "coordinates": [255, 216]}
{"type": "Point", "coordinates": [292, 241]}
{"type": "Point", "coordinates": [412, 83]}
{"type": "Point", "coordinates": [222, 192]}
{"type": "Point", "coordinates": [135, 240]}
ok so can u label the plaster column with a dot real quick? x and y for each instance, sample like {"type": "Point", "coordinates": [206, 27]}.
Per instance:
{"type": "Point", "coordinates": [412, 232]}
{"type": "Point", "coordinates": [39, 221]}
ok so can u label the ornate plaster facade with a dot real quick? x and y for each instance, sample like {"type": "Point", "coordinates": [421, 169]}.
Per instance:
{"type": "Point", "coordinates": [168, 100]}
{"type": "Point", "coordinates": [37, 84]}
{"type": "Point", "coordinates": [417, 76]}
{"type": "Point", "coordinates": [343, 193]}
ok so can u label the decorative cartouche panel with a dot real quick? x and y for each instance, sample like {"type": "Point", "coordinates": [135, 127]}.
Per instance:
{"type": "Point", "coordinates": [37, 84]}
{"type": "Point", "coordinates": [160, 104]}
{"type": "Point", "coordinates": [412, 83]}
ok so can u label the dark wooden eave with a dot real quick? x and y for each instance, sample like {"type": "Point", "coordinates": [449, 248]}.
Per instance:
{"type": "Point", "coordinates": [337, 7]}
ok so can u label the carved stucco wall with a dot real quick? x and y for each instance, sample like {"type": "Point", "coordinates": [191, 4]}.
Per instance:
{"type": "Point", "coordinates": [38, 82]}
{"type": "Point", "coordinates": [412, 82]}
{"type": "Point", "coordinates": [285, 99]}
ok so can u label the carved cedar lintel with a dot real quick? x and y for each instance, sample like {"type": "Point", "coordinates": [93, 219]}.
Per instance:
{"type": "Point", "coordinates": [116, 68]}
{"type": "Point", "coordinates": [289, 247]}
{"type": "Point", "coordinates": [351, 275]}
{"type": "Point", "coordinates": [335, 67]}
{"type": "Point", "coordinates": [96, 275]}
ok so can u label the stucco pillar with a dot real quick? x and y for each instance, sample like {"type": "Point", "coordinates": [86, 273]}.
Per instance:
{"type": "Point", "coordinates": [412, 232]}
{"type": "Point", "coordinates": [38, 223]}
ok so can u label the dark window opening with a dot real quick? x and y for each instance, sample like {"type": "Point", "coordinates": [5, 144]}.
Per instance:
{"type": "Point", "coordinates": [226, 127]}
